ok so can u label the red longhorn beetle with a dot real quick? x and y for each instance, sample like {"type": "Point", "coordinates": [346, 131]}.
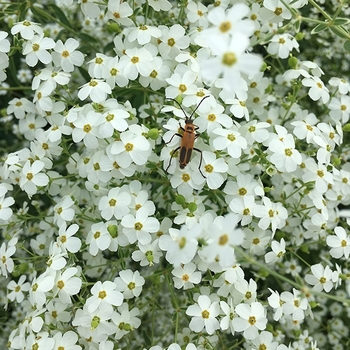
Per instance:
{"type": "Point", "coordinates": [187, 140]}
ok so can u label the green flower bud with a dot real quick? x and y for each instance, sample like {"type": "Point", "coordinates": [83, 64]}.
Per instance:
{"type": "Point", "coordinates": [153, 134]}
{"type": "Point", "coordinates": [180, 199]}
{"type": "Point", "coordinates": [192, 207]}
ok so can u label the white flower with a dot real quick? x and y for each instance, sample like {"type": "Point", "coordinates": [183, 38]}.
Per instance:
{"type": "Point", "coordinates": [160, 5]}
{"type": "Point", "coordinates": [132, 147]}
{"type": "Point", "coordinates": [223, 236]}
{"type": "Point", "coordinates": [56, 312]}
{"type": "Point", "coordinates": [317, 89]}
{"type": "Point", "coordinates": [5, 210]}
{"type": "Point", "coordinates": [143, 34]}
{"type": "Point", "coordinates": [66, 56]}
{"type": "Point", "coordinates": [228, 22]}
{"type": "Point", "coordinates": [104, 293]}
{"type": "Point", "coordinates": [341, 83]}
{"type": "Point", "coordinates": [40, 341]}
{"type": "Point", "coordinates": [244, 207]}
{"type": "Point", "coordinates": [276, 302]}
{"type": "Point", "coordinates": [278, 251]}
{"type": "Point", "coordinates": [212, 118]}
{"type": "Point", "coordinates": [39, 288]}
{"type": "Point", "coordinates": [26, 29]}
{"type": "Point", "coordinates": [86, 129]}
{"type": "Point", "coordinates": [66, 341]}
{"type": "Point", "coordinates": [231, 140]}
{"type": "Point", "coordinates": [251, 319]}
{"type": "Point", "coordinates": [36, 50]}
{"type": "Point", "coordinates": [67, 240]}
{"type": "Point", "coordinates": [244, 292]}
{"type": "Point", "coordinates": [214, 169]}
{"type": "Point", "coordinates": [115, 204]}
{"type": "Point", "coordinates": [285, 157]}
{"type": "Point", "coordinates": [197, 13]}
{"type": "Point", "coordinates": [96, 89]}
{"type": "Point", "coordinates": [181, 85]}
{"type": "Point", "coordinates": [56, 260]}
{"type": "Point", "coordinates": [173, 41]}
{"type": "Point", "coordinates": [230, 61]}
{"type": "Point", "coordinates": [119, 12]}
{"type": "Point", "coordinates": [229, 311]}
{"type": "Point", "coordinates": [265, 341]}
{"type": "Point", "coordinates": [140, 226]}
{"type": "Point", "coordinates": [97, 65]}
{"type": "Point", "coordinates": [4, 43]}
{"type": "Point", "coordinates": [137, 61]}
{"type": "Point", "coordinates": [148, 254]}
{"type": "Point", "coordinates": [275, 11]}
{"type": "Point", "coordinates": [94, 325]}
{"type": "Point", "coordinates": [204, 315]}
{"type": "Point", "coordinates": [158, 75]}
{"type": "Point", "coordinates": [113, 73]}
{"type": "Point", "coordinates": [317, 172]}
{"type": "Point", "coordinates": [30, 123]}
{"type": "Point", "coordinates": [63, 211]}
{"type": "Point", "coordinates": [31, 177]}
{"type": "Point", "coordinates": [98, 238]}
{"type": "Point", "coordinates": [113, 119]}
{"type": "Point", "coordinates": [340, 108]}
{"type": "Point", "coordinates": [17, 288]}
{"type": "Point", "coordinates": [340, 243]}
{"type": "Point", "coordinates": [129, 283]}
{"type": "Point", "coordinates": [282, 45]}
{"type": "Point", "coordinates": [67, 284]}
{"type": "Point", "coordinates": [294, 304]}
{"type": "Point", "coordinates": [306, 128]}
{"type": "Point", "coordinates": [256, 240]}
{"type": "Point", "coordinates": [271, 213]}
{"type": "Point", "coordinates": [185, 276]}
{"type": "Point", "coordinates": [125, 320]}
{"type": "Point", "coordinates": [181, 245]}
{"type": "Point", "coordinates": [20, 107]}
{"type": "Point", "coordinates": [321, 278]}
{"type": "Point", "coordinates": [89, 8]}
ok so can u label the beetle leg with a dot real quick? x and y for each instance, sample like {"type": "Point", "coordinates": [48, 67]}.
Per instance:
{"type": "Point", "coordinates": [200, 161]}
{"type": "Point", "coordinates": [171, 158]}
{"type": "Point", "coordinates": [177, 134]}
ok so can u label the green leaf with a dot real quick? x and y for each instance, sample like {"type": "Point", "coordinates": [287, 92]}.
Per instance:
{"type": "Point", "coordinates": [340, 31]}
{"type": "Point", "coordinates": [341, 21]}
{"type": "Point", "coordinates": [38, 14]}
{"type": "Point", "coordinates": [84, 73]}
{"type": "Point", "coordinates": [60, 15]}
{"type": "Point", "coordinates": [347, 46]}
{"type": "Point", "coordinates": [319, 28]}
{"type": "Point", "coordinates": [16, 9]}
{"type": "Point", "coordinates": [297, 25]}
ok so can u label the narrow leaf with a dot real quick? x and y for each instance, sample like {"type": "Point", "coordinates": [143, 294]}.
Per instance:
{"type": "Point", "coordinates": [341, 32]}
{"type": "Point", "coordinates": [60, 15]}
{"type": "Point", "coordinates": [347, 46]}
{"type": "Point", "coordinates": [319, 28]}
{"type": "Point", "coordinates": [341, 21]}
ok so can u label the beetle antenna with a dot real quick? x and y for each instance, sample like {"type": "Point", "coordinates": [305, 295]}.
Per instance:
{"type": "Point", "coordinates": [179, 106]}
{"type": "Point", "coordinates": [198, 106]}
{"type": "Point", "coordinates": [190, 117]}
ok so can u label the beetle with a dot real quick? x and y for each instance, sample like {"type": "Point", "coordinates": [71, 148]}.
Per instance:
{"type": "Point", "coordinates": [187, 140]}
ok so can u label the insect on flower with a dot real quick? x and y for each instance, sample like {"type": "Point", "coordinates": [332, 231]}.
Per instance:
{"type": "Point", "coordinates": [188, 137]}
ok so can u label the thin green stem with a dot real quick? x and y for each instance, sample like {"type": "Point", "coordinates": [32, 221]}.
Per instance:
{"type": "Point", "coordinates": [320, 9]}
{"type": "Point", "coordinates": [296, 285]}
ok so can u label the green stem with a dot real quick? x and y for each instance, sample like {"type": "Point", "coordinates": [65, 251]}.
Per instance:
{"type": "Point", "coordinates": [296, 285]}
{"type": "Point", "coordinates": [320, 9]}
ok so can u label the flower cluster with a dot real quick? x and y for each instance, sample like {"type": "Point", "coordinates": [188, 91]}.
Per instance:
{"type": "Point", "coordinates": [107, 242]}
